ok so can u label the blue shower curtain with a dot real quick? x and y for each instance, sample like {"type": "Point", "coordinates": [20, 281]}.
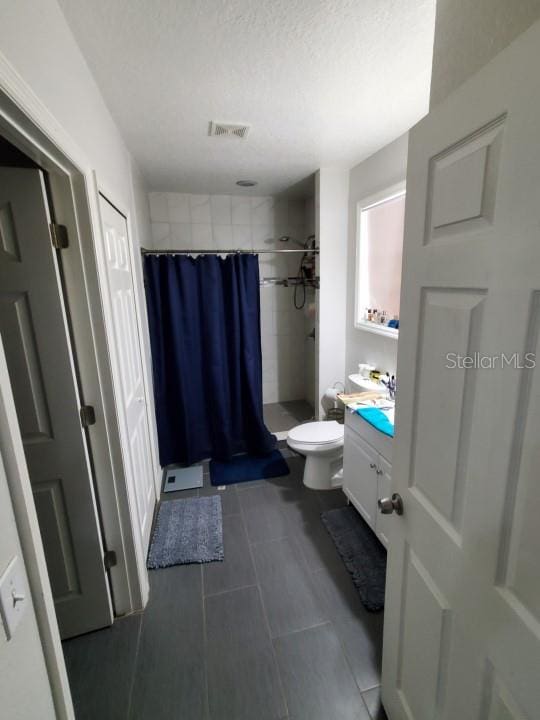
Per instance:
{"type": "Point", "coordinates": [204, 317]}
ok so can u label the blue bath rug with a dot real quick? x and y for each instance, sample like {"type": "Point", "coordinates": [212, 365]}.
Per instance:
{"type": "Point", "coordinates": [187, 531]}
{"type": "Point", "coordinates": [362, 553]}
{"type": "Point", "coordinates": [243, 468]}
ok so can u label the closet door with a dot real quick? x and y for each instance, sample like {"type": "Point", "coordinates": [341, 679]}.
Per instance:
{"type": "Point", "coordinates": [128, 372]}
{"type": "Point", "coordinates": [42, 373]}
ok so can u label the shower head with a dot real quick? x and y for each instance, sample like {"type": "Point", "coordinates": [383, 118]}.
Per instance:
{"type": "Point", "coordinates": [288, 238]}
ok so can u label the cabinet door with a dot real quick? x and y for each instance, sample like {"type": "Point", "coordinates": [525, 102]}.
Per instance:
{"type": "Point", "coordinates": [360, 476]}
{"type": "Point", "coordinates": [384, 489]}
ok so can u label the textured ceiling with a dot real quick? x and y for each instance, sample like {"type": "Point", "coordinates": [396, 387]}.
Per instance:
{"type": "Point", "coordinates": [321, 82]}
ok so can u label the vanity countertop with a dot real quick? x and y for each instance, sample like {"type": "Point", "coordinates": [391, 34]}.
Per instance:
{"type": "Point", "coordinates": [370, 400]}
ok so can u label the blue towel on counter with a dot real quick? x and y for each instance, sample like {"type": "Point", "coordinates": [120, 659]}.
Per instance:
{"type": "Point", "coordinates": [378, 419]}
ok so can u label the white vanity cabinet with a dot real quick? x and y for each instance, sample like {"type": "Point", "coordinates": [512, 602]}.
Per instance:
{"type": "Point", "coordinates": [360, 464]}
{"type": "Point", "coordinates": [367, 471]}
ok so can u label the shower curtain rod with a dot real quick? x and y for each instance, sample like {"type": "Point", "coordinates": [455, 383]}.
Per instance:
{"type": "Point", "coordinates": [145, 251]}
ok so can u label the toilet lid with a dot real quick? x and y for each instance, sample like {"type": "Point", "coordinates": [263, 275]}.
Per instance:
{"type": "Point", "coordinates": [317, 433]}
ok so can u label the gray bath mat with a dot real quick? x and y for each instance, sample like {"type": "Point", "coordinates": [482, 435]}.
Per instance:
{"type": "Point", "coordinates": [362, 553]}
{"type": "Point", "coordinates": [187, 531]}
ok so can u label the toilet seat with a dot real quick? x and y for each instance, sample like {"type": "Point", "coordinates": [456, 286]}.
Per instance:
{"type": "Point", "coordinates": [317, 433]}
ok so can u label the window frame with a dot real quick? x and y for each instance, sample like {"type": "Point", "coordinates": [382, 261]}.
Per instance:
{"type": "Point", "coordinates": [371, 201]}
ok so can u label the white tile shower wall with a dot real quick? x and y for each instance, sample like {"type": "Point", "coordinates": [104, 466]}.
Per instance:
{"type": "Point", "coordinates": [182, 221]}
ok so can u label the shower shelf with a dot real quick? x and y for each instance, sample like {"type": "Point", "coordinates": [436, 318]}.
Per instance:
{"type": "Point", "coordinates": [289, 281]}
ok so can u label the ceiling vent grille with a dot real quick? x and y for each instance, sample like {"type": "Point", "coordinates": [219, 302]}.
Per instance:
{"type": "Point", "coordinates": [228, 130]}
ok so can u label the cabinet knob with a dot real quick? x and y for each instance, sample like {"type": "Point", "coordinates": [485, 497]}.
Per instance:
{"type": "Point", "coordinates": [379, 471]}
{"type": "Point", "coordinates": [388, 505]}
{"type": "Point", "coordinates": [372, 466]}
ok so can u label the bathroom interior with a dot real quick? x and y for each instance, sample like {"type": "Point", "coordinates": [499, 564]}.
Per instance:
{"type": "Point", "coordinates": [220, 224]}
{"type": "Point", "coordinates": [284, 233]}
{"type": "Point", "coordinates": [310, 268]}
{"type": "Point", "coordinates": [329, 269]}
{"type": "Point", "coordinates": [319, 290]}
{"type": "Point", "coordinates": [254, 305]}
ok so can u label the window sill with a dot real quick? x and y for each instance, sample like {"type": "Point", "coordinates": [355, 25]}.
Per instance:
{"type": "Point", "coordinates": [377, 329]}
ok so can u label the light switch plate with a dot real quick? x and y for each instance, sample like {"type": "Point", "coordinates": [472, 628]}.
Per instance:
{"type": "Point", "coordinates": [14, 596]}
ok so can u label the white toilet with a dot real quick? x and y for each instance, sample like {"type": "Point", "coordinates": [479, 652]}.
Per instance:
{"type": "Point", "coordinates": [322, 445]}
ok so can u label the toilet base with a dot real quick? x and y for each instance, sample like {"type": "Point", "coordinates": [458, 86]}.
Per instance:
{"type": "Point", "coordinates": [319, 472]}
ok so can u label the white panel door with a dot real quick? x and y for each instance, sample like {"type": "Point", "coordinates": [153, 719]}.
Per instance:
{"type": "Point", "coordinates": [35, 335]}
{"type": "Point", "coordinates": [128, 372]}
{"type": "Point", "coordinates": [462, 619]}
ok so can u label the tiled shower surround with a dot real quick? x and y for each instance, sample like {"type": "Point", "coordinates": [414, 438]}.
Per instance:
{"type": "Point", "coordinates": [220, 222]}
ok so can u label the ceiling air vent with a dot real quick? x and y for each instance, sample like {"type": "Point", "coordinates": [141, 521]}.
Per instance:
{"type": "Point", "coordinates": [228, 130]}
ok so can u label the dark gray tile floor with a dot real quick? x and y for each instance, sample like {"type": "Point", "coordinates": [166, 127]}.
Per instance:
{"type": "Point", "coordinates": [275, 632]}
{"type": "Point", "coordinates": [282, 416]}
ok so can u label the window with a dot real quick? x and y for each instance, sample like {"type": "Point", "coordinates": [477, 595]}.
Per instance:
{"type": "Point", "coordinates": [380, 222]}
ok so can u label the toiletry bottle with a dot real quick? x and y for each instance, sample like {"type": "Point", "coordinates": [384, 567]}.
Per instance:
{"type": "Point", "coordinates": [394, 322]}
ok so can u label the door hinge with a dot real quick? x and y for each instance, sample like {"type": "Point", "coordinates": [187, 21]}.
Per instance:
{"type": "Point", "coordinates": [88, 415]}
{"type": "Point", "coordinates": [59, 236]}
{"type": "Point", "coordinates": [109, 559]}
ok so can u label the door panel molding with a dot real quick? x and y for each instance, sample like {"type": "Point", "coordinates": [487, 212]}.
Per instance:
{"type": "Point", "coordinates": [439, 476]}
{"type": "Point", "coordinates": [9, 244]}
{"type": "Point", "coordinates": [468, 172]}
{"type": "Point", "coordinates": [520, 530]}
{"type": "Point", "coordinates": [21, 351]}
{"type": "Point", "coordinates": [50, 501]}
{"type": "Point", "coordinates": [424, 640]}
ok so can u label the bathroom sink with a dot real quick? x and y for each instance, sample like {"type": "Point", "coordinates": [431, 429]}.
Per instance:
{"type": "Point", "coordinates": [361, 384]}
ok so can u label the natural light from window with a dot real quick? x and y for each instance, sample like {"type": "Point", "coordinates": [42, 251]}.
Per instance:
{"type": "Point", "coordinates": [379, 252]}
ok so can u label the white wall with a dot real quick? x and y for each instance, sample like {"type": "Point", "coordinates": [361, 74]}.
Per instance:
{"type": "Point", "coordinates": [36, 40]}
{"type": "Point", "coordinates": [383, 169]}
{"type": "Point", "coordinates": [183, 221]}
{"type": "Point", "coordinates": [331, 203]}
{"type": "Point", "coordinates": [468, 33]}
